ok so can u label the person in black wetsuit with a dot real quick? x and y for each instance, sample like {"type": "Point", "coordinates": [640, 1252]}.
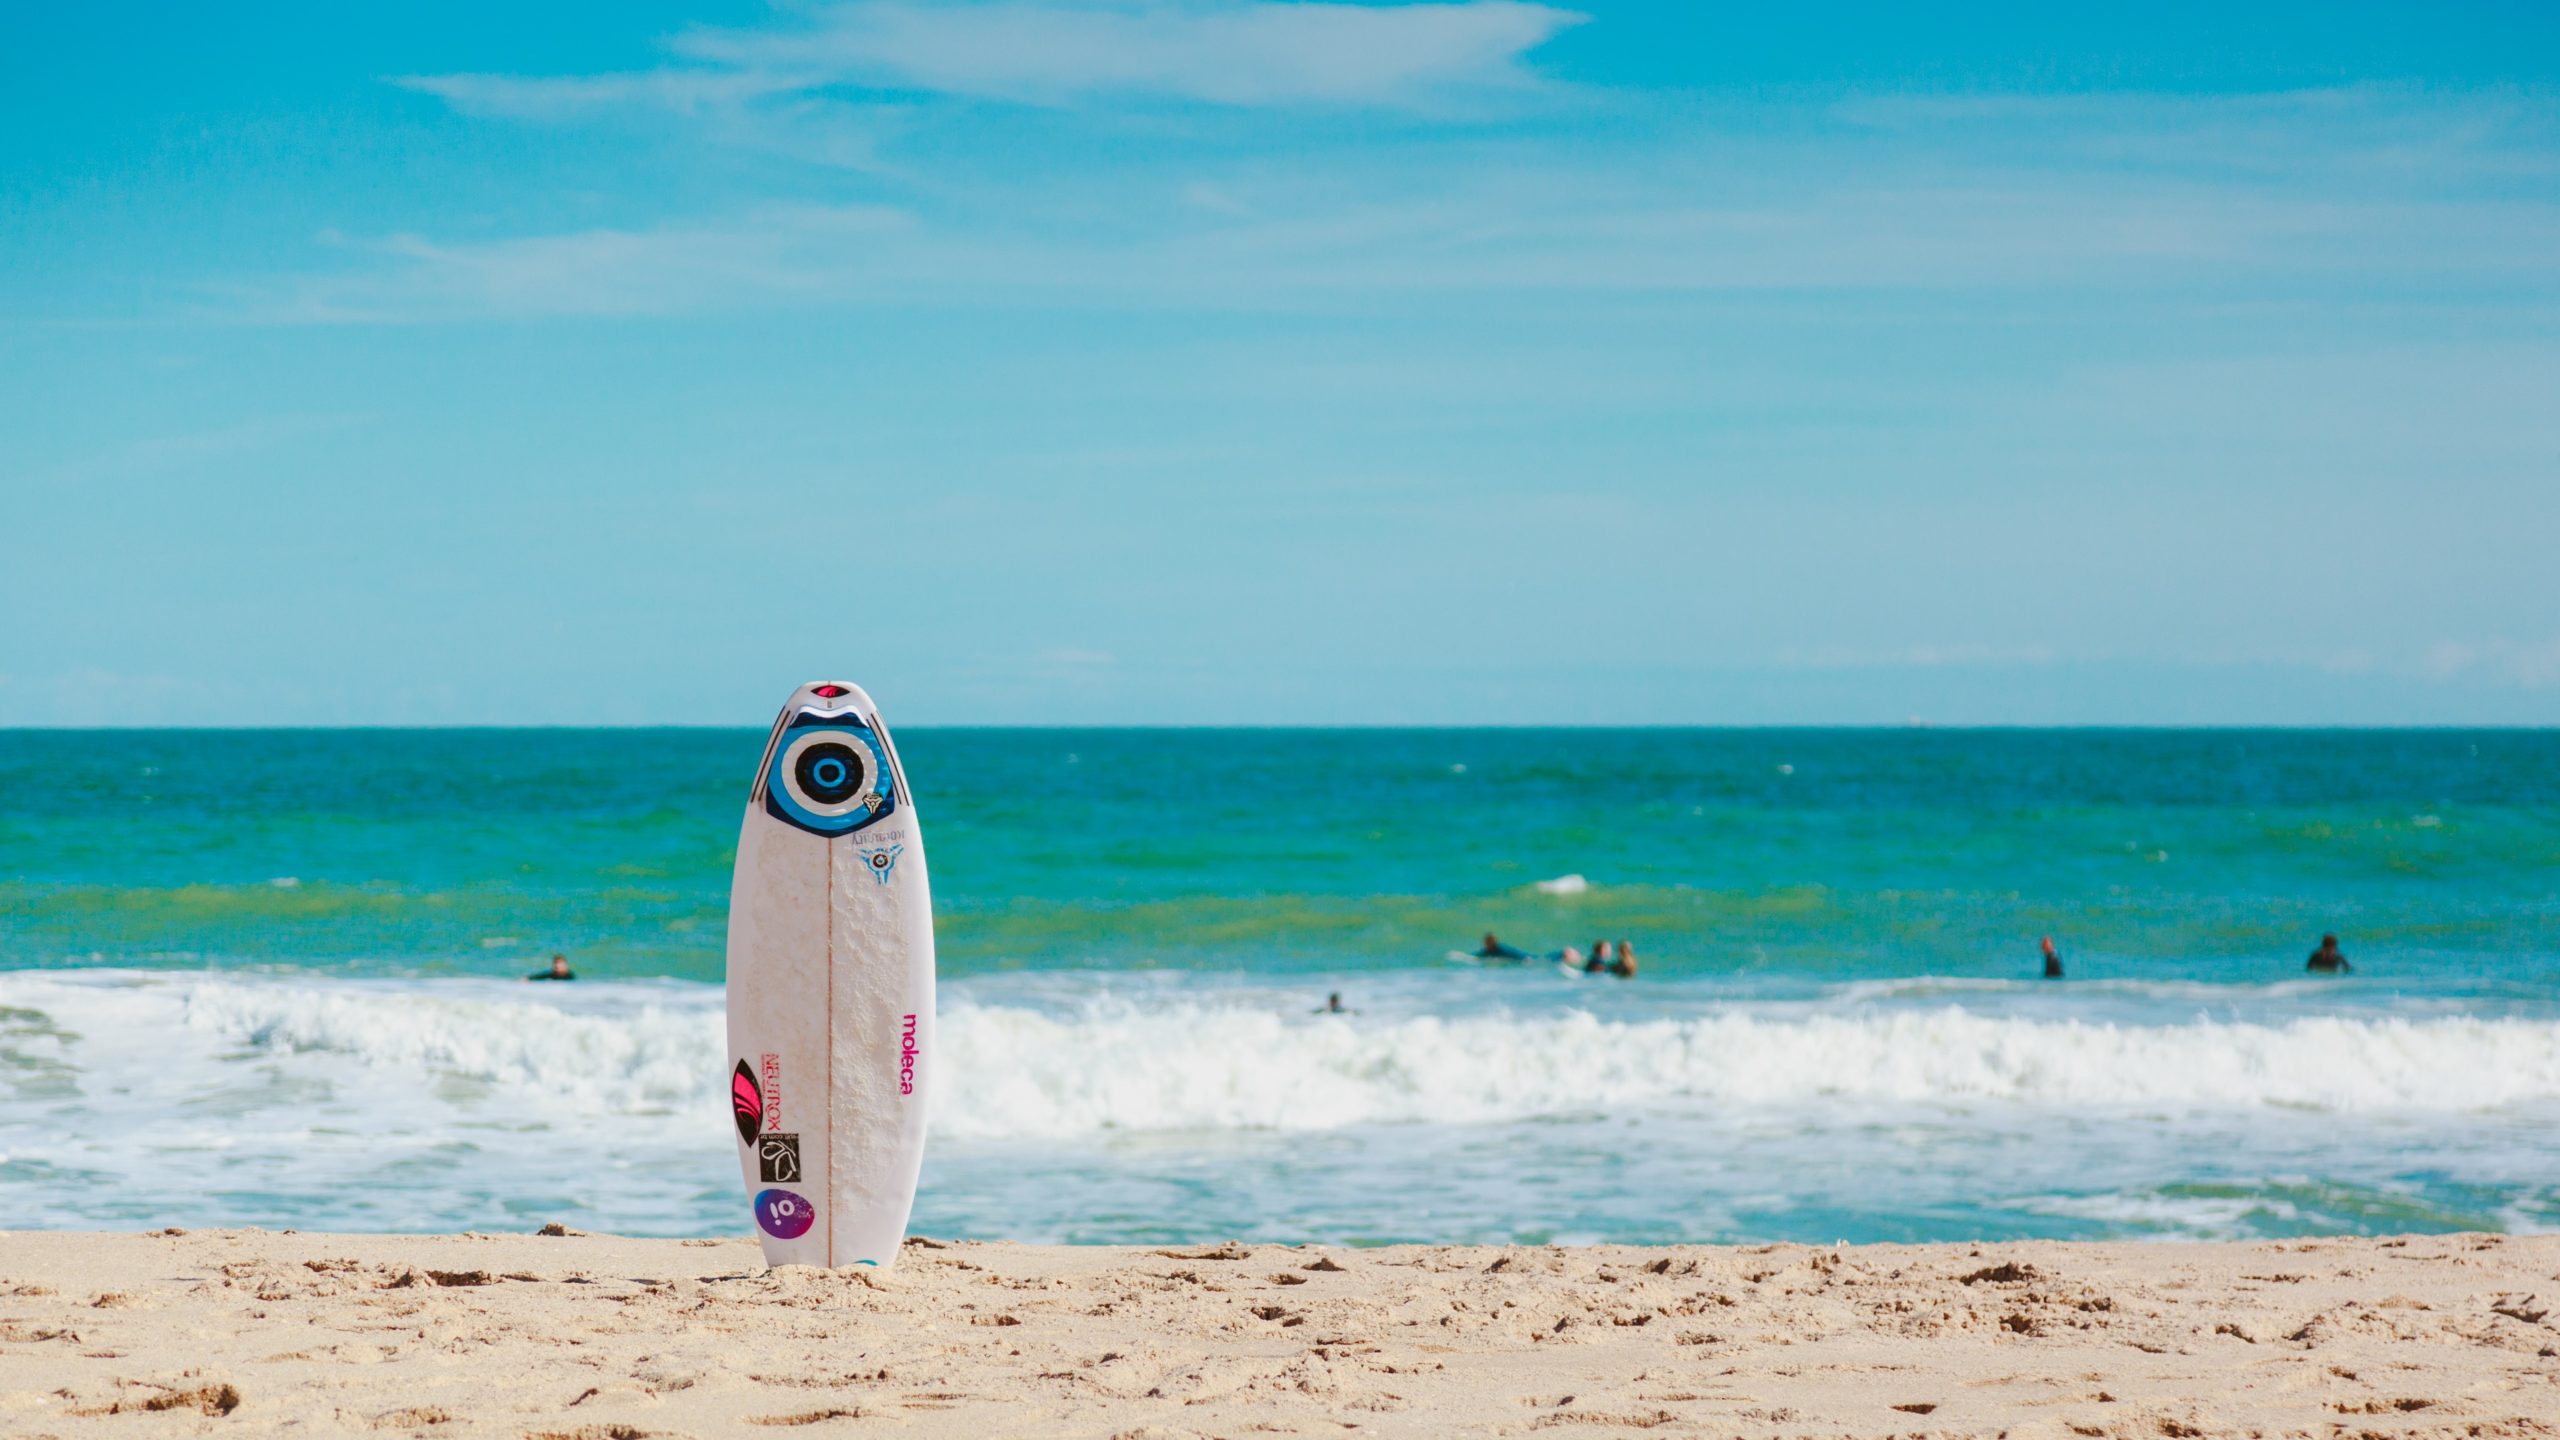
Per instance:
{"type": "Point", "coordinates": [2052, 960]}
{"type": "Point", "coordinates": [2329, 959]}
{"type": "Point", "coordinates": [1494, 949]}
{"type": "Point", "coordinates": [559, 970]}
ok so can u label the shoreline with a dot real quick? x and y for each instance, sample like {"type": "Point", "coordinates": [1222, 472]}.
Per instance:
{"type": "Point", "coordinates": [241, 1332]}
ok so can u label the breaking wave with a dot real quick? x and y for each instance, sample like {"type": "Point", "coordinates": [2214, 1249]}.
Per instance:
{"type": "Point", "coordinates": [1168, 1064]}
{"type": "Point", "coordinates": [1018, 1072]}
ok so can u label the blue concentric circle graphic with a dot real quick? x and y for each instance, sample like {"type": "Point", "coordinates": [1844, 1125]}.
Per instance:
{"type": "Point", "coordinates": [830, 776]}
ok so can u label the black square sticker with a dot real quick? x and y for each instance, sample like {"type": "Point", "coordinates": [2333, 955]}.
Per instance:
{"type": "Point", "coordinates": [778, 1156]}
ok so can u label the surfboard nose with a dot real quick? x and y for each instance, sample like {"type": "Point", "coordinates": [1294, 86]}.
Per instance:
{"type": "Point", "coordinates": [831, 695]}
{"type": "Point", "coordinates": [828, 768]}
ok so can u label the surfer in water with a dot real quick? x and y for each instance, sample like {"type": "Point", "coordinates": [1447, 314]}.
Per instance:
{"type": "Point", "coordinates": [1494, 949]}
{"type": "Point", "coordinates": [2329, 959]}
{"type": "Point", "coordinates": [1624, 967]}
{"type": "Point", "coordinates": [559, 970]}
{"type": "Point", "coordinates": [2052, 960]}
{"type": "Point", "coordinates": [1333, 1005]}
{"type": "Point", "coordinates": [1603, 958]}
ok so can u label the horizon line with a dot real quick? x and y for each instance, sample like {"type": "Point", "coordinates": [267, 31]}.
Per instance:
{"type": "Point", "coordinates": [2451, 727]}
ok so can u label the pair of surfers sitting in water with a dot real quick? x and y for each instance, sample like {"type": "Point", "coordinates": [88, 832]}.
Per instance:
{"type": "Point", "coordinates": [1606, 957]}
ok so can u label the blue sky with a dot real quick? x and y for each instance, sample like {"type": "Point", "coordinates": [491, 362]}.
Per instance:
{"type": "Point", "coordinates": [1102, 362]}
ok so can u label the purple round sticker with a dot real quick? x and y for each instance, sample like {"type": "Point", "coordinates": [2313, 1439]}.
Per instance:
{"type": "Point", "coordinates": [783, 1215]}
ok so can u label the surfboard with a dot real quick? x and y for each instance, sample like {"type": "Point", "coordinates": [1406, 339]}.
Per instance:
{"type": "Point", "coordinates": [830, 986]}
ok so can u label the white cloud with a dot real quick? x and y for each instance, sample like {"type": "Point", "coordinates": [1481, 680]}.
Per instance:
{"type": "Point", "coordinates": [1517, 231]}
{"type": "Point", "coordinates": [1918, 657]}
{"type": "Point", "coordinates": [1202, 195]}
{"type": "Point", "coordinates": [1053, 52]}
{"type": "Point", "coordinates": [2370, 130]}
{"type": "Point", "coordinates": [778, 252]}
{"type": "Point", "coordinates": [573, 97]}
{"type": "Point", "coordinates": [130, 459]}
{"type": "Point", "coordinates": [1228, 54]}
{"type": "Point", "coordinates": [2532, 666]}
{"type": "Point", "coordinates": [1691, 207]}
{"type": "Point", "coordinates": [2496, 662]}
{"type": "Point", "coordinates": [752, 109]}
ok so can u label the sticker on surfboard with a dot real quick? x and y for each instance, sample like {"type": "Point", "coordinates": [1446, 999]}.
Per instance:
{"type": "Point", "coordinates": [830, 986]}
{"type": "Point", "coordinates": [746, 1100]}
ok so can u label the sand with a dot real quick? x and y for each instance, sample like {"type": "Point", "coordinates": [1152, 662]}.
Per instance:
{"type": "Point", "coordinates": [247, 1332]}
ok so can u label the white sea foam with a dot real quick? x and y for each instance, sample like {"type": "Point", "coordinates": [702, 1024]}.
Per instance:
{"type": "Point", "coordinates": [1563, 885]}
{"type": "Point", "coordinates": [2201, 1217]}
{"type": "Point", "coordinates": [1170, 1063]}
{"type": "Point", "coordinates": [644, 1052]}
{"type": "Point", "coordinates": [132, 1099]}
{"type": "Point", "coordinates": [1016, 1072]}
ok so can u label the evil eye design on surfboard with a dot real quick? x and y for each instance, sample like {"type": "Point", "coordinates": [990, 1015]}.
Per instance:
{"type": "Point", "coordinates": [830, 775]}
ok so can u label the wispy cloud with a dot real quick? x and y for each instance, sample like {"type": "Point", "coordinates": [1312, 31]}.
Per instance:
{"type": "Point", "coordinates": [772, 253]}
{"type": "Point", "coordinates": [1259, 243]}
{"type": "Point", "coordinates": [1918, 657]}
{"type": "Point", "coordinates": [1251, 54]}
{"type": "Point", "coordinates": [1920, 194]}
{"type": "Point", "coordinates": [2532, 666]}
{"type": "Point", "coordinates": [785, 114]}
{"type": "Point", "coordinates": [154, 455]}
{"type": "Point", "coordinates": [1056, 52]}
{"type": "Point", "coordinates": [2494, 663]}
{"type": "Point", "coordinates": [576, 97]}
{"type": "Point", "coordinates": [2372, 131]}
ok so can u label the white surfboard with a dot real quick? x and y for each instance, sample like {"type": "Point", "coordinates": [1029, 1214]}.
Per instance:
{"type": "Point", "coordinates": [830, 986]}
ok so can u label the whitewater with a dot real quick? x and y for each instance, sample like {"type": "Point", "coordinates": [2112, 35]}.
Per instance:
{"type": "Point", "coordinates": [421, 1103]}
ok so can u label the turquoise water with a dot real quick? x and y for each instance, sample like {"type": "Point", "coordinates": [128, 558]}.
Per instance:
{"type": "Point", "coordinates": [288, 956]}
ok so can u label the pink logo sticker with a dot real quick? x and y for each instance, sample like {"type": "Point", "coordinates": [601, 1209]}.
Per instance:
{"type": "Point", "coordinates": [746, 1102]}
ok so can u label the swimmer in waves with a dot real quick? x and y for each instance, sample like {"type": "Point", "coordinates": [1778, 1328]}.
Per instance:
{"type": "Point", "coordinates": [1616, 959]}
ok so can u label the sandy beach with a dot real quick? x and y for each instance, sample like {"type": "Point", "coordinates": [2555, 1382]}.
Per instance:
{"type": "Point", "coordinates": [251, 1332]}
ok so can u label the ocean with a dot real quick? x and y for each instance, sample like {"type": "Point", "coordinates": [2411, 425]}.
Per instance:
{"type": "Point", "coordinates": [272, 978]}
